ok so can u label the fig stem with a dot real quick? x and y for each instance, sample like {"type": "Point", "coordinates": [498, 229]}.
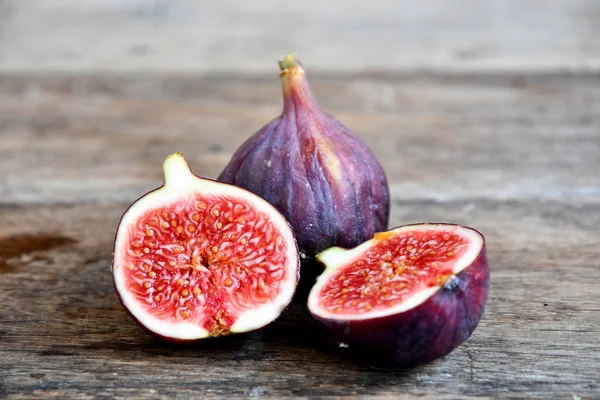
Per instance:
{"type": "Point", "coordinates": [289, 61]}
{"type": "Point", "coordinates": [176, 171]}
{"type": "Point", "coordinates": [296, 93]}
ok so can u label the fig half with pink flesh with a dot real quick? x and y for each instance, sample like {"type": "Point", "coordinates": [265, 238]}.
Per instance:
{"type": "Point", "coordinates": [408, 296]}
{"type": "Point", "coordinates": [196, 258]}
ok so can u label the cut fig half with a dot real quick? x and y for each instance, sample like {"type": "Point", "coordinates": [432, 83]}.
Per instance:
{"type": "Point", "coordinates": [196, 258]}
{"type": "Point", "coordinates": [407, 296]}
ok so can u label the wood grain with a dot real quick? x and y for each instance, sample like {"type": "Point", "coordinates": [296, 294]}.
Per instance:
{"type": "Point", "coordinates": [351, 35]}
{"type": "Point", "coordinates": [514, 155]}
{"type": "Point", "coordinates": [439, 137]}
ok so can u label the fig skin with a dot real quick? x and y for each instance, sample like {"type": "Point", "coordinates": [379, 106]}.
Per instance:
{"type": "Point", "coordinates": [421, 334]}
{"type": "Point", "coordinates": [315, 171]}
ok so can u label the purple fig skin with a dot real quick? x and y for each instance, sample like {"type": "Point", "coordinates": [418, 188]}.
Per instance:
{"type": "Point", "coordinates": [324, 180]}
{"type": "Point", "coordinates": [424, 333]}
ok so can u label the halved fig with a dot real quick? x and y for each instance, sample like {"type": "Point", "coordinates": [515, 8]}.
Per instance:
{"type": "Point", "coordinates": [196, 258]}
{"type": "Point", "coordinates": [407, 296]}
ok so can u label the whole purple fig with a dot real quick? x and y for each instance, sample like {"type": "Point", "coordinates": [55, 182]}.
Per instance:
{"type": "Point", "coordinates": [314, 170]}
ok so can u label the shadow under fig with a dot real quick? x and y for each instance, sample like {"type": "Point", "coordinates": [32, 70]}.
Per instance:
{"type": "Point", "coordinates": [110, 332]}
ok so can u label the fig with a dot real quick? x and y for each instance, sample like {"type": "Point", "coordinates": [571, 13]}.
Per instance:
{"type": "Point", "coordinates": [197, 258]}
{"type": "Point", "coordinates": [406, 297]}
{"type": "Point", "coordinates": [314, 170]}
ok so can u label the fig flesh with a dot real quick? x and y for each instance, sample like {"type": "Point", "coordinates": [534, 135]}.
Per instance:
{"type": "Point", "coordinates": [408, 296]}
{"type": "Point", "coordinates": [322, 177]}
{"type": "Point", "coordinates": [196, 258]}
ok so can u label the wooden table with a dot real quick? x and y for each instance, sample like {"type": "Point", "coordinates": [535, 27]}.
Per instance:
{"type": "Point", "coordinates": [514, 152]}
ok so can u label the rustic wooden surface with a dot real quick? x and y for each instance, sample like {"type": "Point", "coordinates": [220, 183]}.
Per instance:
{"type": "Point", "coordinates": [482, 113]}
{"type": "Point", "coordinates": [517, 157]}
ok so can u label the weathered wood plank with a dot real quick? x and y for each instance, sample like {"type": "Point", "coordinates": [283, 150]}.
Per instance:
{"type": "Point", "coordinates": [67, 140]}
{"type": "Point", "coordinates": [64, 334]}
{"type": "Point", "coordinates": [187, 35]}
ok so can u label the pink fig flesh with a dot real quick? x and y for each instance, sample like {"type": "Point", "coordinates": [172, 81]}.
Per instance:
{"type": "Point", "coordinates": [197, 258]}
{"type": "Point", "coordinates": [407, 296]}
